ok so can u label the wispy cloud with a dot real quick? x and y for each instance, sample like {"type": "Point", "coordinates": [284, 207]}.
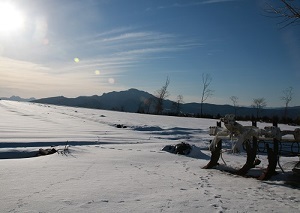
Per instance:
{"type": "Point", "coordinates": [191, 4]}
{"type": "Point", "coordinates": [123, 49]}
{"type": "Point", "coordinates": [216, 1]}
{"type": "Point", "coordinates": [149, 50]}
{"type": "Point", "coordinates": [102, 57]}
{"type": "Point", "coordinates": [179, 5]}
{"type": "Point", "coordinates": [101, 35]}
{"type": "Point", "coordinates": [126, 36]}
{"type": "Point", "coordinates": [109, 65]}
{"type": "Point", "coordinates": [137, 37]}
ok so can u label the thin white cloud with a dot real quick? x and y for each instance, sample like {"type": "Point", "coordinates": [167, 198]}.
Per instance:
{"type": "Point", "coordinates": [127, 49]}
{"type": "Point", "coordinates": [107, 65]}
{"type": "Point", "coordinates": [191, 4]}
{"type": "Point", "coordinates": [216, 1]}
{"type": "Point", "coordinates": [149, 50]}
{"type": "Point", "coordinates": [191, 45]}
{"type": "Point", "coordinates": [137, 35]}
{"type": "Point", "coordinates": [101, 35]}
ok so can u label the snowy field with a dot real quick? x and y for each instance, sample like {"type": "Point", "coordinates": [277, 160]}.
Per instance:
{"type": "Point", "coordinates": [110, 169]}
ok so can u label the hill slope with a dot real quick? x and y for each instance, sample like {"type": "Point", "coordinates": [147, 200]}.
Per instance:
{"type": "Point", "coordinates": [134, 100]}
{"type": "Point", "coordinates": [109, 169]}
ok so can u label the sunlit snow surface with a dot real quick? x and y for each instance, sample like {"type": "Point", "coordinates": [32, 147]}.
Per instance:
{"type": "Point", "coordinates": [110, 169]}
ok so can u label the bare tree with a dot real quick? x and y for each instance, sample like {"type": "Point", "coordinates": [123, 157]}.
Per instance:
{"type": "Point", "coordinates": [259, 104]}
{"type": "Point", "coordinates": [287, 98]}
{"type": "Point", "coordinates": [161, 95]}
{"type": "Point", "coordinates": [177, 104]}
{"type": "Point", "coordinates": [234, 100]}
{"type": "Point", "coordinates": [286, 10]}
{"type": "Point", "coordinates": [206, 91]}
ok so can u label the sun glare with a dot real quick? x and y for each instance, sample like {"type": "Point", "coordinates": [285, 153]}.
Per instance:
{"type": "Point", "coordinates": [11, 19]}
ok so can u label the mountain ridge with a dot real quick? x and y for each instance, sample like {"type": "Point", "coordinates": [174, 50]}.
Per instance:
{"type": "Point", "coordinates": [134, 100]}
{"type": "Point", "coordinates": [17, 98]}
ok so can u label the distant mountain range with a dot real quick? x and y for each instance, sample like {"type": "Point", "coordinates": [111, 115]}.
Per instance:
{"type": "Point", "coordinates": [134, 100]}
{"type": "Point", "coordinates": [17, 98]}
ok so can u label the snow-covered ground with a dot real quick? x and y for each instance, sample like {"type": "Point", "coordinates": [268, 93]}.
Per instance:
{"type": "Point", "coordinates": [110, 169]}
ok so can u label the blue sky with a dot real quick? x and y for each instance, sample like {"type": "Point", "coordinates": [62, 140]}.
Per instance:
{"type": "Point", "coordinates": [88, 47]}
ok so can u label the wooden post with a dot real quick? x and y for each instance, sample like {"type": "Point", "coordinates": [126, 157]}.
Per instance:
{"type": "Point", "coordinates": [215, 155]}
{"type": "Point", "coordinates": [272, 159]}
{"type": "Point", "coordinates": [251, 155]}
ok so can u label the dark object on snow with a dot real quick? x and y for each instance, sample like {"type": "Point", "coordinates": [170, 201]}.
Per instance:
{"type": "Point", "coordinates": [169, 148]}
{"type": "Point", "coordinates": [294, 179]}
{"type": "Point", "coordinates": [183, 148]}
{"type": "Point", "coordinates": [121, 126]}
{"type": "Point", "coordinates": [256, 162]}
{"type": "Point", "coordinates": [46, 151]}
{"type": "Point", "coordinates": [296, 169]}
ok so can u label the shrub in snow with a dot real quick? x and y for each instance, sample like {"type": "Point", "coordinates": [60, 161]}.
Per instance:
{"type": "Point", "coordinates": [46, 151]}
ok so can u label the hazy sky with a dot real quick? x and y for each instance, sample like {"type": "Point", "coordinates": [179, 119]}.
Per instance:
{"type": "Point", "coordinates": [88, 47]}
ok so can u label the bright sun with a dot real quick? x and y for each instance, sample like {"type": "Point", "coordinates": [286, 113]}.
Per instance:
{"type": "Point", "coordinates": [11, 19]}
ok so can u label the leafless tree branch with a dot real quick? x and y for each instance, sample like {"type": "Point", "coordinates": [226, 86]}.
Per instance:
{"type": "Point", "coordinates": [287, 11]}
{"type": "Point", "coordinates": [259, 104]}
{"type": "Point", "coordinates": [234, 100]}
{"type": "Point", "coordinates": [206, 91]}
{"type": "Point", "coordinates": [287, 98]}
{"type": "Point", "coordinates": [161, 95]}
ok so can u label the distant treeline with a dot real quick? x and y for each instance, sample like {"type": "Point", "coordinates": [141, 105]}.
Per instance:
{"type": "Point", "coordinates": [267, 119]}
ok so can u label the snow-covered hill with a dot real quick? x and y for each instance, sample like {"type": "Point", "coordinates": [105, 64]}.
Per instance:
{"type": "Point", "coordinates": [110, 169]}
